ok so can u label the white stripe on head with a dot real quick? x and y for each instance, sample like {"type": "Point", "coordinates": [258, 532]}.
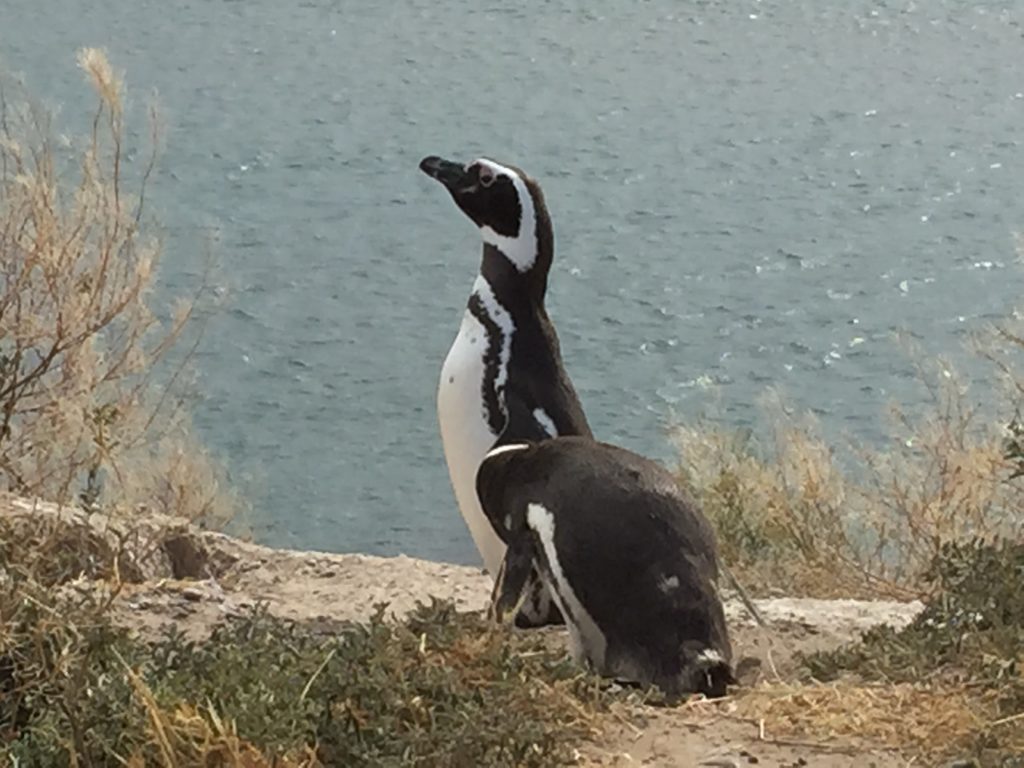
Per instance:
{"type": "Point", "coordinates": [521, 250]}
{"type": "Point", "coordinates": [506, 449]}
{"type": "Point", "coordinates": [587, 639]}
{"type": "Point", "coordinates": [710, 656]}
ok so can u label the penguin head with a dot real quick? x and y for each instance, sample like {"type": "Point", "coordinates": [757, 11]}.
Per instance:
{"type": "Point", "coordinates": [492, 478]}
{"type": "Point", "coordinates": [705, 670]}
{"type": "Point", "coordinates": [505, 204]}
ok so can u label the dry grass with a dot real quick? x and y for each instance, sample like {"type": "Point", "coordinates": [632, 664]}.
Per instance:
{"type": "Point", "coordinates": [189, 735]}
{"type": "Point", "coordinates": [91, 379]}
{"type": "Point", "coordinates": [926, 721]}
{"type": "Point", "coordinates": [936, 513]}
{"type": "Point", "coordinates": [797, 514]}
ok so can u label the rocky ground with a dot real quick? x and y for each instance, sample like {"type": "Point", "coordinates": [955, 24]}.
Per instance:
{"type": "Point", "coordinates": [200, 577]}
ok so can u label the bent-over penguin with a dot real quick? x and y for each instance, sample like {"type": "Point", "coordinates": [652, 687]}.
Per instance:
{"type": "Point", "coordinates": [630, 560]}
{"type": "Point", "coordinates": [503, 379]}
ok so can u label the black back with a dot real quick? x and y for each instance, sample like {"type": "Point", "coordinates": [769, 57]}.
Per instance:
{"type": "Point", "coordinates": [623, 530]}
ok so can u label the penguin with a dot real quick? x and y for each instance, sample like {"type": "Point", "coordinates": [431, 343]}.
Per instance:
{"type": "Point", "coordinates": [629, 559]}
{"type": "Point", "coordinates": [503, 379]}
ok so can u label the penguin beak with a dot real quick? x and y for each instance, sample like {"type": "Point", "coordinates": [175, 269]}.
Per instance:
{"type": "Point", "coordinates": [452, 175]}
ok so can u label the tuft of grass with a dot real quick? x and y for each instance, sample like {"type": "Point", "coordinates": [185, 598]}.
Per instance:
{"type": "Point", "coordinates": [441, 688]}
{"type": "Point", "coordinates": [776, 509]}
{"type": "Point", "coordinates": [926, 721]}
{"type": "Point", "coordinates": [973, 625]}
{"type": "Point", "coordinates": [794, 512]}
{"type": "Point", "coordinates": [968, 641]}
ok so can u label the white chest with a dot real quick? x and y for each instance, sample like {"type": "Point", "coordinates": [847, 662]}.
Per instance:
{"type": "Point", "coordinates": [462, 414]}
{"type": "Point", "coordinates": [461, 408]}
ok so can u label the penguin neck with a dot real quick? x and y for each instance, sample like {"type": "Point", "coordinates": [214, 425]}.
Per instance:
{"type": "Point", "coordinates": [521, 293]}
{"type": "Point", "coordinates": [517, 288]}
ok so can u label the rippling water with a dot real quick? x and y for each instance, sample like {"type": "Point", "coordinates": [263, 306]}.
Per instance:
{"type": "Point", "coordinates": [745, 195]}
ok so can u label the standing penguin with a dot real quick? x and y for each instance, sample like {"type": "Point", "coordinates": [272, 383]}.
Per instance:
{"type": "Point", "coordinates": [630, 560]}
{"type": "Point", "coordinates": [503, 379]}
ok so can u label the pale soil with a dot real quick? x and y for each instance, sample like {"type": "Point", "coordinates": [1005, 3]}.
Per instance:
{"type": "Point", "coordinates": [229, 575]}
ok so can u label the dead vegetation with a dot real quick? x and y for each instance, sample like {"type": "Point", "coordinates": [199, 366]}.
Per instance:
{"type": "Point", "coordinates": [91, 378]}
{"type": "Point", "coordinates": [925, 721]}
{"type": "Point", "coordinates": [964, 650]}
{"type": "Point", "coordinates": [801, 515]}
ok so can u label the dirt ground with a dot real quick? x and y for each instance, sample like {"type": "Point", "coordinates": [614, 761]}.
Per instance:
{"type": "Point", "coordinates": [221, 576]}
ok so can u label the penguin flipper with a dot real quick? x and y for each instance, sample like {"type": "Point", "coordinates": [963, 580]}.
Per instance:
{"type": "Point", "coordinates": [510, 585]}
{"type": "Point", "coordinates": [534, 605]}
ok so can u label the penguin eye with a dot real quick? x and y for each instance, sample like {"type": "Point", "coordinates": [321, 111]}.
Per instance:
{"type": "Point", "coordinates": [486, 177]}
